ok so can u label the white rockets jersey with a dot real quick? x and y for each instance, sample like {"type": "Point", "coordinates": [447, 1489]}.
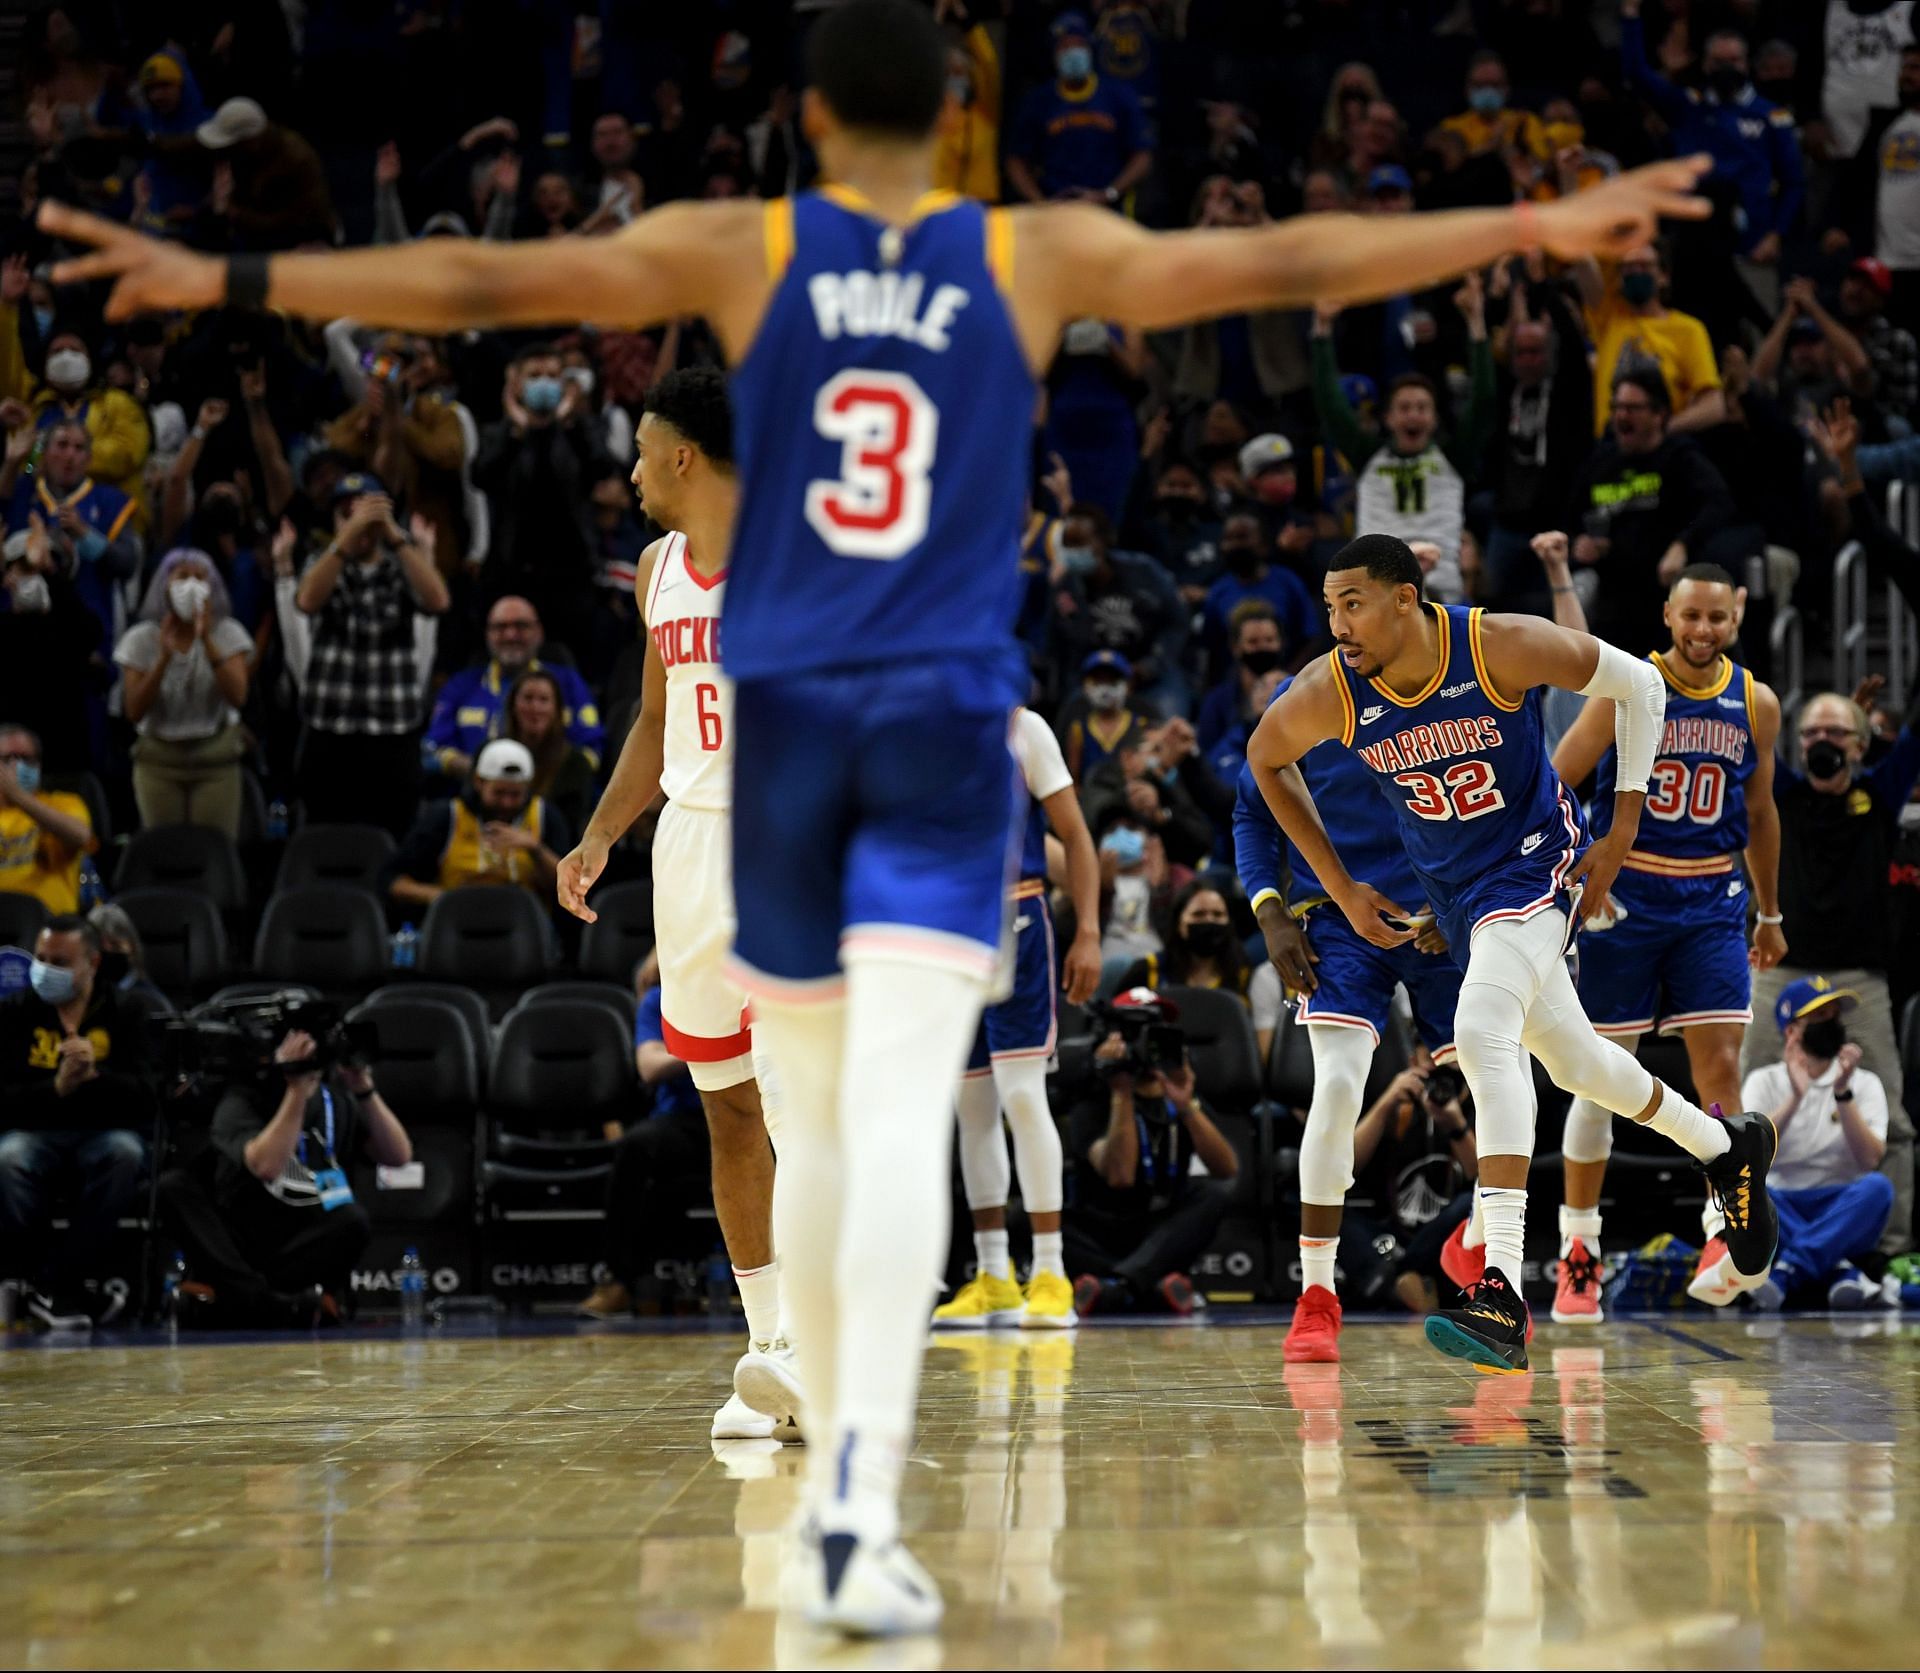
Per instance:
{"type": "Point", "coordinates": [682, 612]}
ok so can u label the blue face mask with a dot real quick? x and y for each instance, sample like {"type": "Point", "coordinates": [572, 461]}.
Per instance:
{"type": "Point", "coordinates": [26, 774]}
{"type": "Point", "coordinates": [1079, 560]}
{"type": "Point", "coordinates": [542, 395]}
{"type": "Point", "coordinates": [43, 321]}
{"type": "Point", "coordinates": [1126, 845]}
{"type": "Point", "coordinates": [52, 982]}
{"type": "Point", "coordinates": [1487, 101]}
{"type": "Point", "coordinates": [1075, 63]}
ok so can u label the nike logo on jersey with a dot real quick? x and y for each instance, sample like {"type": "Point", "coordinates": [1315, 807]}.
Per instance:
{"type": "Point", "coordinates": [1020, 925]}
{"type": "Point", "coordinates": [884, 305]}
{"type": "Point", "coordinates": [1734, 886]}
{"type": "Point", "coordinates": [1460, 689]}
{"type": "Point", "coordinates": [1373, 714]}
{"type": "Point", "coordinates": [1533, 842]}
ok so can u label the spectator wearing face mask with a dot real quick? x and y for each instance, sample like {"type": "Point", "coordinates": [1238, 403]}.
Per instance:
{"type": "Point", "coordinates": [1204, 952]}
{"type": "Point", "coordinates": [1118, 601]}
{"type": "Point", "coordinates": [1826, 1182]}
{"type": "Point", "coordinates": [118, 436]}
{"type": "Point", "coordinates": [1169, 516]}
{"type": "Point", "coordinates": [47, 638]}
{"type": "Point", "coordinates": [1082, 135]}
{"type": "Point", "coordinates": [44, 834]}
{"type": "Point", "coordinates": [496, 831]}
{"type": "Point", "coordinates": [469, 709]}
{"type": "Point", "coordinates": [123, 958]}
{"type": "Point", "coordinates": [1839, 819]}
{"type": "Point", "coordinates": [1633, 329]}
{"type": "Point", "coordinates": [1101, 720]}
{"type": "Point", "coordinates": [1134, 883]}
{"type": "Point", "coordinates": [359, 758]}
{"type": "Point", "coordinates": [966, 156]}
{"type": "Point", "coordinates": [186, 682]}
{"type": "Point", "coordinates": [1249, 577]}
{"type": "Point", "coordinates": [1411, 482]}
{"type": "Point", "coordinates": [1258, 648]}
{"type": "Point", "coordinates": [1146, 779]}
{"type": "Point", "coordinates": [1490, 124]}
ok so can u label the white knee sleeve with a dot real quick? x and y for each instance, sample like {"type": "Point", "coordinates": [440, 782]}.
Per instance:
{"type": "Point", "coordinates": [1579, 1060]}
{"type": "Point", "coordinates": [1022, 1085]}
{"type": "Point", "coordinates": [1589, 1132]}
{"type": "Point", "coordinates": [1341, 1057]}
{"type": "Point", "coordinates": [983, 1147]}
{"type": "Point", "coordinates": [1486, 1033]}
{"type": "Point", "coordinates": [768, 1080]}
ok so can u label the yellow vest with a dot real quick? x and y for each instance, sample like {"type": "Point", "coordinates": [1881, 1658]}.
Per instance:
{"type": "Point", "coordinates": [467, 859]}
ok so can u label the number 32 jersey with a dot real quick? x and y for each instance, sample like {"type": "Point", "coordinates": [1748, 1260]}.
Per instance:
{"type": "Point", "coordinates": [682, 613]}
{"type": "Point", "coordinates": [881, 422]}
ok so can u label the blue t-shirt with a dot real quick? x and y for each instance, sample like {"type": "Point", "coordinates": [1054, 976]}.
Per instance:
{"type": "Point", "coordinates": [1300, 621]}
{"type": "Point", "coordinates": [1079, 140]}
{"type": "Point", "coordinates": [675, 1095]}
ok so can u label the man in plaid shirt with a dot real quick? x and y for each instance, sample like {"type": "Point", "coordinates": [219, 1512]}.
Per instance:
{"type": "Point", "coordinates": [360, 755]}
{"type": "Point", "coordinates": [1864, 294]}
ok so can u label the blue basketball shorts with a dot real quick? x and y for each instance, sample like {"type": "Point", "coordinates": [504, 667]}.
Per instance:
{"type": "Point", "coordinates": [1025, 1023]}
{"type": "Point", "coordinates": [1678, 958]}
{"type": "Point", "coordinates": [1357, 980]}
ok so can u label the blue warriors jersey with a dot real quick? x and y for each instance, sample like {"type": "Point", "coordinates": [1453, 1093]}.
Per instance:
{"type": "Point", "coordinates": [1697, 793]}
{"type": "Point", "coordinates": [882, 412]}
{"type": "Point", "coordinates": [1465, 768]}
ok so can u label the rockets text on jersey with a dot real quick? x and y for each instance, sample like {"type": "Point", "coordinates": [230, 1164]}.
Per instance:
{"type": "Point", "coordinates": [683, 619]}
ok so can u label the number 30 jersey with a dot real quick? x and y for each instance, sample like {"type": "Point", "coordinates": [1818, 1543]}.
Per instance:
{"type": "Point", "coordinates": [682, 613]}
{"type": "Point", "coordinates": [881, 422]}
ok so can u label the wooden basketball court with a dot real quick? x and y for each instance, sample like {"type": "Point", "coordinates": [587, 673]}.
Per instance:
{"type": "Point", "coordinates": [1718, 1492]}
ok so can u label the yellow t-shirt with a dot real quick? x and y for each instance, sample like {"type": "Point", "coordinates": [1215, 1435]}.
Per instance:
{"type": "Point", "coordinates": [1518, 128]}
{"type": "Point", "coordinates": [34, 863]}
{"type": "Point", "coordinates": [1677, 343]}
{"type": "Point", "coordinates": [966, 155]}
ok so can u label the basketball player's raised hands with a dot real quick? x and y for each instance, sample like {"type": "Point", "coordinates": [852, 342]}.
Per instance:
{"type": "Point", "coordinates": [578, 873]}
{"type": "Point", "coordinates": [1613, 217]}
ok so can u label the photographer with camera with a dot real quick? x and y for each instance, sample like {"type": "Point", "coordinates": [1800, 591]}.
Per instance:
{"type": "Point", "coordinates": [271, 1231]}
{"type": "Point", "coordinates": [1141, 1215]}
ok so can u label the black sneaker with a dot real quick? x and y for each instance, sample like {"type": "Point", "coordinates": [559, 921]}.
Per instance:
{"type": "Point", "coordinates": [1737, 1182]}
{"type": "Point", "coordinates": [1489, 1328]}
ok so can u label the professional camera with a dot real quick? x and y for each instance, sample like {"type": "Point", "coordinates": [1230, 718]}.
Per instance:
{"type": "Point", "coordinates": [235, 1039]}
{"type": "Point", "coordinates": [1444, 1086]}
{"type": "Point", "coordinates": [1148, 1025]}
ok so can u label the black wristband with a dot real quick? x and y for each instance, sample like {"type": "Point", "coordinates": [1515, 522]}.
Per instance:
{"type": "Point", "coordinates": [362, 1097]}
{"type": "Point", "coordinates": [1845, 1097]}
{"type": "Point", "coordinates": [247, 281]}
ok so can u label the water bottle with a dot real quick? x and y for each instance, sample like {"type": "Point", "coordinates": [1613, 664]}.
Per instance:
{"type": "Point", "coordinates": [276, 821]}
{"type": "Point", "coordinates": [719, 1285]}
{"type": "Point", "coordinates": [413, 1293]}
{"type": "Point", "coordinates": [406, 947]}
{"type": "Point", "coordinates": [170, 1282]}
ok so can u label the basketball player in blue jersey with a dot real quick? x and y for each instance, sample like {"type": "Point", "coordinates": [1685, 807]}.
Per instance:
{"type": "Point", "coordinates": [886, 341]}
{"type": "Point", "coordinates": [1347, 987]}
{"type": "Point", "coordinates": [1442, 705]}
{"type": "Point", "coordinates": [1675, 954]}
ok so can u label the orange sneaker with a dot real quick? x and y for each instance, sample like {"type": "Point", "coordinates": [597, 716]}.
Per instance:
{"type": "Point", "coordinates": [1576, 1294]}
{"type": "Point", "coordinates": [1716, 1280]}
{"type": "Point", "coordinates": [1315, 1333]}
{"type": "Point", "coordinates": [1464, 1266]}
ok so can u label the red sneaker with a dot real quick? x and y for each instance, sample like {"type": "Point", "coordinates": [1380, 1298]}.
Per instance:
{"type": "Point", "coordinates": [1315, 1333]}
{"type": "Point", "coordinates": [1716, 1280]}
{"type": "Point", "coordinates": [1176, 1293]}
{"type": "Point", "coordinates": [1464, 1266]}
{"type": "Point", "coordinates": [1576, 1294]}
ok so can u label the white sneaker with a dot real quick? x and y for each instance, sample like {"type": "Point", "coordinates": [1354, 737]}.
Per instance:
{"type": "Point", "coordinates": [1852, 1290]}
{"type": "Point", "coordinates": [767, 1381]}
{"type": "Point", "coordinates": [873, 1592]}
{"type": "Point", "coordinates": [738, 1421]}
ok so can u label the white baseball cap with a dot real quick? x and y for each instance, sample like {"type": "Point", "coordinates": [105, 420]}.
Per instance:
{"type": "Point", "coordinates": [1265, 452]}
{"type": "Point", "coordinates": [506, 761]}
{"type": "Point", "coordinates": [234, 121]}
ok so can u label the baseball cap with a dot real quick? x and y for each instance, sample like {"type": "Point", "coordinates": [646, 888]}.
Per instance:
{"type": "Point", "coordinates": [505, 760]}
{"type": "Point", "coordinates": [1109, 660]}
{"type": "Point", "coordinates": [1146, 999]}
{"type": "Point", "coordinates": [1359, 390]}
{"type": "Point", "coordinates": [1071, 23]}
{"type": "Point", "coordinates": [234, 121]}
{"type": "Point", "coordinates": [1875, 272]}
{"type": "Point", "coordinates": [355, 483]}
{"type": "Point", "coordinates": [1389, 177]}
{"type": "Point", "coordinates": [162, 66]}
{"type": "Point", "coordinates": [1804, 997]}
{"type": "Point", "coordinates": [1263, 453]}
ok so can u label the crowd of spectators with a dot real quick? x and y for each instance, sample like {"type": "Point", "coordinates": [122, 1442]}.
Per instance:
{"type": "Point", "coordinates": [350, 572]}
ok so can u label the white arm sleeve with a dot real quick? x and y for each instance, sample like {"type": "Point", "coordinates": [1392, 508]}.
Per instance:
{"type": "Point", "coordinates": [1639, 714]}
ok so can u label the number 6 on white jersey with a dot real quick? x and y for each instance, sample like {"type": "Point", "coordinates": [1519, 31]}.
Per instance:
{"type": "Point", "coordinates": [887, 430]}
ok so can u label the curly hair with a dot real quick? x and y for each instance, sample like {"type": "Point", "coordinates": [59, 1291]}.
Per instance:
{"type": "Point", "coordinates": [694, 401]}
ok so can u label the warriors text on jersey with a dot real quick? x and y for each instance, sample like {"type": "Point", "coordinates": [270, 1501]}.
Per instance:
{"type": "Point", "coordinates": [682, 613]}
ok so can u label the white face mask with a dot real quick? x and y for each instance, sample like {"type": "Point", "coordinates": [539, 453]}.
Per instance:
{"type": "Point", "coordinates": [68, 368]}
{"type": "Point", "coordinates": [30, 596]}
{"type": "Point", "coordinates": [186, 593]}
{"type": "Point", "coordinates": [582, 376]}
{"type": "Point", "coordinates": [1909, 813]}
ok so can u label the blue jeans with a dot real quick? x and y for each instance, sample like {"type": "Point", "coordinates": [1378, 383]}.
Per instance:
{"type": "Point", "coordinates": [100, 1175]}
{"type": "Point", "coordinates": [1824, 1226]}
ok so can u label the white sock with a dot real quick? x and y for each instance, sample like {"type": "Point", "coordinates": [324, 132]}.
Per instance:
{"type": "Point", "coordinates": [1583, 1223]}
{"type": "Point", "coordinates": [760, 1296]}
{"type": "Point", "coordinates": [1049, 1254]}
{"type": "Point", "coordinates": [1317, 1261]}
{"type": "Point", "coordinates": [1505, 1212]}
{"type": "Point", "coordinates": [909, 1026]}
{"type": "Point", "coordinates": [990, 1250]}
{"type": "Point", "coordinates": [1689, 1126]}
{"type": "Point", "coordinates": [1476, 1232]}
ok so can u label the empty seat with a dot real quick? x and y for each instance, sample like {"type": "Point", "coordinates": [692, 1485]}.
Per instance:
{"type": "Point", "coordinates": [493, 937]}
{"type": "Point", "coordinates": [619, 999]}
{"type": "Point", "coordinates": [21, 917]}
{"type": "Point", "coordinates": [1290, 1062]}
{"type": "Point", "coordinates": [472, 1009]}
{"type": "Point", "coordinates": [185, 857]}
{"type": "Point", "coordinates": [325, 934]}
{"type": "Point", "coordinates": [1220, 1045]}
{"type": "Point", "coordinates": [621, 936]}
{"type": "Point", "coordinates": [185, 941]}
{"type": "Point", "coordinates": [348, 854]}
{"type": "Point", "coordinates": [425, 1063]}
{"type": "Point", "coordinates": [562, 1069]}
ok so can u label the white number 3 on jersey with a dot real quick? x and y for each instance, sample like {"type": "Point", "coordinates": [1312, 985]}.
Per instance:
{"type": "Point", "coordinates": [887, 430]}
